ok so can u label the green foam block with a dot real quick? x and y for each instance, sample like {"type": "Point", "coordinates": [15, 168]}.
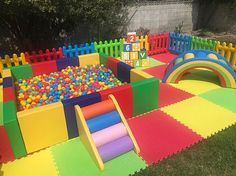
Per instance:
{"type": "Point", "coordinates": [1, 113]}
{"type": "Point", "coordinates": [145, 95]}
{"type": "Point", "coordinates": [12, 127]}
{"type": "Point", "coordinates": [73, 159]}
{"type": "Point", "coordinates": [103, 58]}
{"type": "Point", "coordinates": [22, 71]}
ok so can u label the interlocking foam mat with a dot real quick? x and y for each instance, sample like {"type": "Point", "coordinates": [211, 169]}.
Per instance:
{"type": "Point", "coordinates": [189, 112]}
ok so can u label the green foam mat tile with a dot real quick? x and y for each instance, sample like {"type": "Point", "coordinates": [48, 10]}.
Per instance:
{"type": "Point", "coordinates": [224, 97]}
{"type": "Point", "coordinates": [153, 63]}
{"type": "Point", "coordinates": [72, 159]}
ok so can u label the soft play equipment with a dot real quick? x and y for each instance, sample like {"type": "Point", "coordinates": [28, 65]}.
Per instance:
{"type": "Point", "coordinates": [201, 59]}
{"type": "Point", "coordinates": [104, 131]}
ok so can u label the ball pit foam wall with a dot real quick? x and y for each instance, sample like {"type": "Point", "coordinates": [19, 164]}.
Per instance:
{"type": "Point", "coordinates": [43, 126]}
{"type": "Point", "coordinates": [124, 95]}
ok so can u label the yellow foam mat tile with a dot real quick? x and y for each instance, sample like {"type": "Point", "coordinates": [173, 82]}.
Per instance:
{"type": "Point", "coordinates": [37, 164]}
{"type": "Point", "coordinates": [202, 116]}
{"type": "Point", "coordinates": [195, 87]}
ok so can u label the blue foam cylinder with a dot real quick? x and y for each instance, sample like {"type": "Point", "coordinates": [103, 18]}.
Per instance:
{"type": "Point", "coordinates": [103, 121]}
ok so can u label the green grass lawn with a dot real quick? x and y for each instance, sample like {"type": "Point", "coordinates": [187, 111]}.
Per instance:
{"type": "Point", "coordinates": [213, 156]}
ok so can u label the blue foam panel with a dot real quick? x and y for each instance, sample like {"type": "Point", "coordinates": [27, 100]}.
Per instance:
{"type": "Point", "coordinates": [69, 110]}
{"type": "Point", "coordinates": [7, 82]}
{"type": "Point", "coordinates": [103, 121]}
{"type": "Point", "coordinates": [64, 62]}
{"type": "Point", "coordinates": [123, 72]}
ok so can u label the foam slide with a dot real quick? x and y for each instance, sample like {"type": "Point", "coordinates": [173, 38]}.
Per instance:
{"type": "Point", "coordinates": [104, 131]}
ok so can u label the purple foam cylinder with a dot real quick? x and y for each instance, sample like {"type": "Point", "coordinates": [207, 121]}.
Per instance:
{"type": "Point", "coordinates": [115, 148]}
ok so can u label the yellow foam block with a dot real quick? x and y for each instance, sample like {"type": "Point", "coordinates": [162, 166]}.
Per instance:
{"type": "Point", "coordinates": [89, 59]}
{"type": "Point", "coordinates": [37, 164]}
{"type": "Point", "coordinates": [200, 115]}
{"type": "Point", "coordinates": [137, 75]}
{"type": "Point", "coordinates": [6, 73]}
{"type": "Point", "coordinates": [43, 126]}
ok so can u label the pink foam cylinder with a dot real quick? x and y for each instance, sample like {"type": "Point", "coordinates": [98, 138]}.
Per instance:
{"type": "Point", "coordinates": [109, 134]}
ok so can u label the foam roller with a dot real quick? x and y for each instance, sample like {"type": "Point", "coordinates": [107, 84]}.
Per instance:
{"type": "Point", "coordinates": [115, 148]}
{"type": "Point", "coordinates": [109, 134]}
{"type": "Point", "coordinates": [103, 121]}
{"type": "Point", "coordinates": [98, 109]}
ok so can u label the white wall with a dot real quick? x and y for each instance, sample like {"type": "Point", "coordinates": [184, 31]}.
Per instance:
{"type": "Point", "coordinates": [163, 16]}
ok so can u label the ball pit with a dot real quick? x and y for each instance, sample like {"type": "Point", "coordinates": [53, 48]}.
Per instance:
{"type": "Point", "coordinates": [68, 83]}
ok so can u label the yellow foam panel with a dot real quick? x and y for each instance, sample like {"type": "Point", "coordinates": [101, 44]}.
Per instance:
{"type": "Point", "coordinates": [43, 126]}
{"type": "Point", "coordinates": [6, 73]}
{"type": "Point", "coordinates": [137, 75]}
{"type": "Point", "coordinates": [89, 59]}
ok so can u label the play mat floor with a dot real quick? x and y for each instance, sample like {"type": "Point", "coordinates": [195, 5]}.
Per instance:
{"type": "Point", "coordinates": [189, 112]}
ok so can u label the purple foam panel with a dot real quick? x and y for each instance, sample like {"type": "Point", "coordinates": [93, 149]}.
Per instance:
{"type": "Point", "coordinates": [115, 148]}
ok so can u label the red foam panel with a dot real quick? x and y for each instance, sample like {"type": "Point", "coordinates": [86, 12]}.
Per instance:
{"type": "Point", "coordinates": [165, 57]}
{"type": "Point", "coordinates": [8, 94]}
{"type": "Point", "coordinates": [44, 67]}
{"type": "Point", "coordinates": [159, 136]}
{"type": "Point", "coordinates": [124, 97]}
{"type": "Point", "coordinates": [112, 64]}
{"type": "Point", "coordinates": [6, 151]}
{"type": "Point", "coordinates": [158, 71]}
{"type": "Point", "coordinates": [169, 95]}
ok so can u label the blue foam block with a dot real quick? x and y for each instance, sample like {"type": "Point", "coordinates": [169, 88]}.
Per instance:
{"type": "Point", "coordinates": [69, 110]}
{"type": "Point", "coordinates": [7, 82]}
{"type": "Point", "coordinates": [103, 121]}
{"type": "Point", "coordinates": [64, 62]}
{"type": "Point", "coordinates": [123, 72]}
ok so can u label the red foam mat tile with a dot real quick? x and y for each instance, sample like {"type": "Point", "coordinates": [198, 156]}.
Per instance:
{"type": "Point", "coordinates": [169, 95]}
{"type": "Point", "coordinates": [160, 136]}
{"type": "Point", "coordinates": [164, 57]}
{"type": "Point", "coordinates": [157, 71]}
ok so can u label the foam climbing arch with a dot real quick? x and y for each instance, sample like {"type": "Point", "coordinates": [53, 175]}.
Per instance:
{"type": "Point", "coordinates": [201, 59]}
{"type": "Point", "coordinates": [104, 131]}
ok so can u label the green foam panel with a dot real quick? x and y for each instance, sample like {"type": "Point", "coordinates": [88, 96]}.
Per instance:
{"type": "Point", "coordinates": [103, 58]}
{"type": "Point", "coordinates": [72, 159]}
{"type": "Point", "coordinates": [145, 95]}
{"type": "Point", "coordinates": [1, 113]}
{"type": "Point", "coordinates": [13, 130]}
{"type": "Point", "coordinates": [22, 71]}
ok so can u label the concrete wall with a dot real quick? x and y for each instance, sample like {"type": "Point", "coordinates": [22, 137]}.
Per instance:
{"type": "Point", "coordinates": [163, 15]}
{"type": "Point", "coordinates": [219, 17]}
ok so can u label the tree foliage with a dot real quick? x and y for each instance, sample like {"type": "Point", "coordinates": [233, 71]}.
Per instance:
{"type": "Point", "coordinates": [27, 25]}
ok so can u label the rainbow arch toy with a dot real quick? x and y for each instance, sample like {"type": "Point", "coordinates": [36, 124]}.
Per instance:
{"type": "Point", "coordinates": [200, 59]}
